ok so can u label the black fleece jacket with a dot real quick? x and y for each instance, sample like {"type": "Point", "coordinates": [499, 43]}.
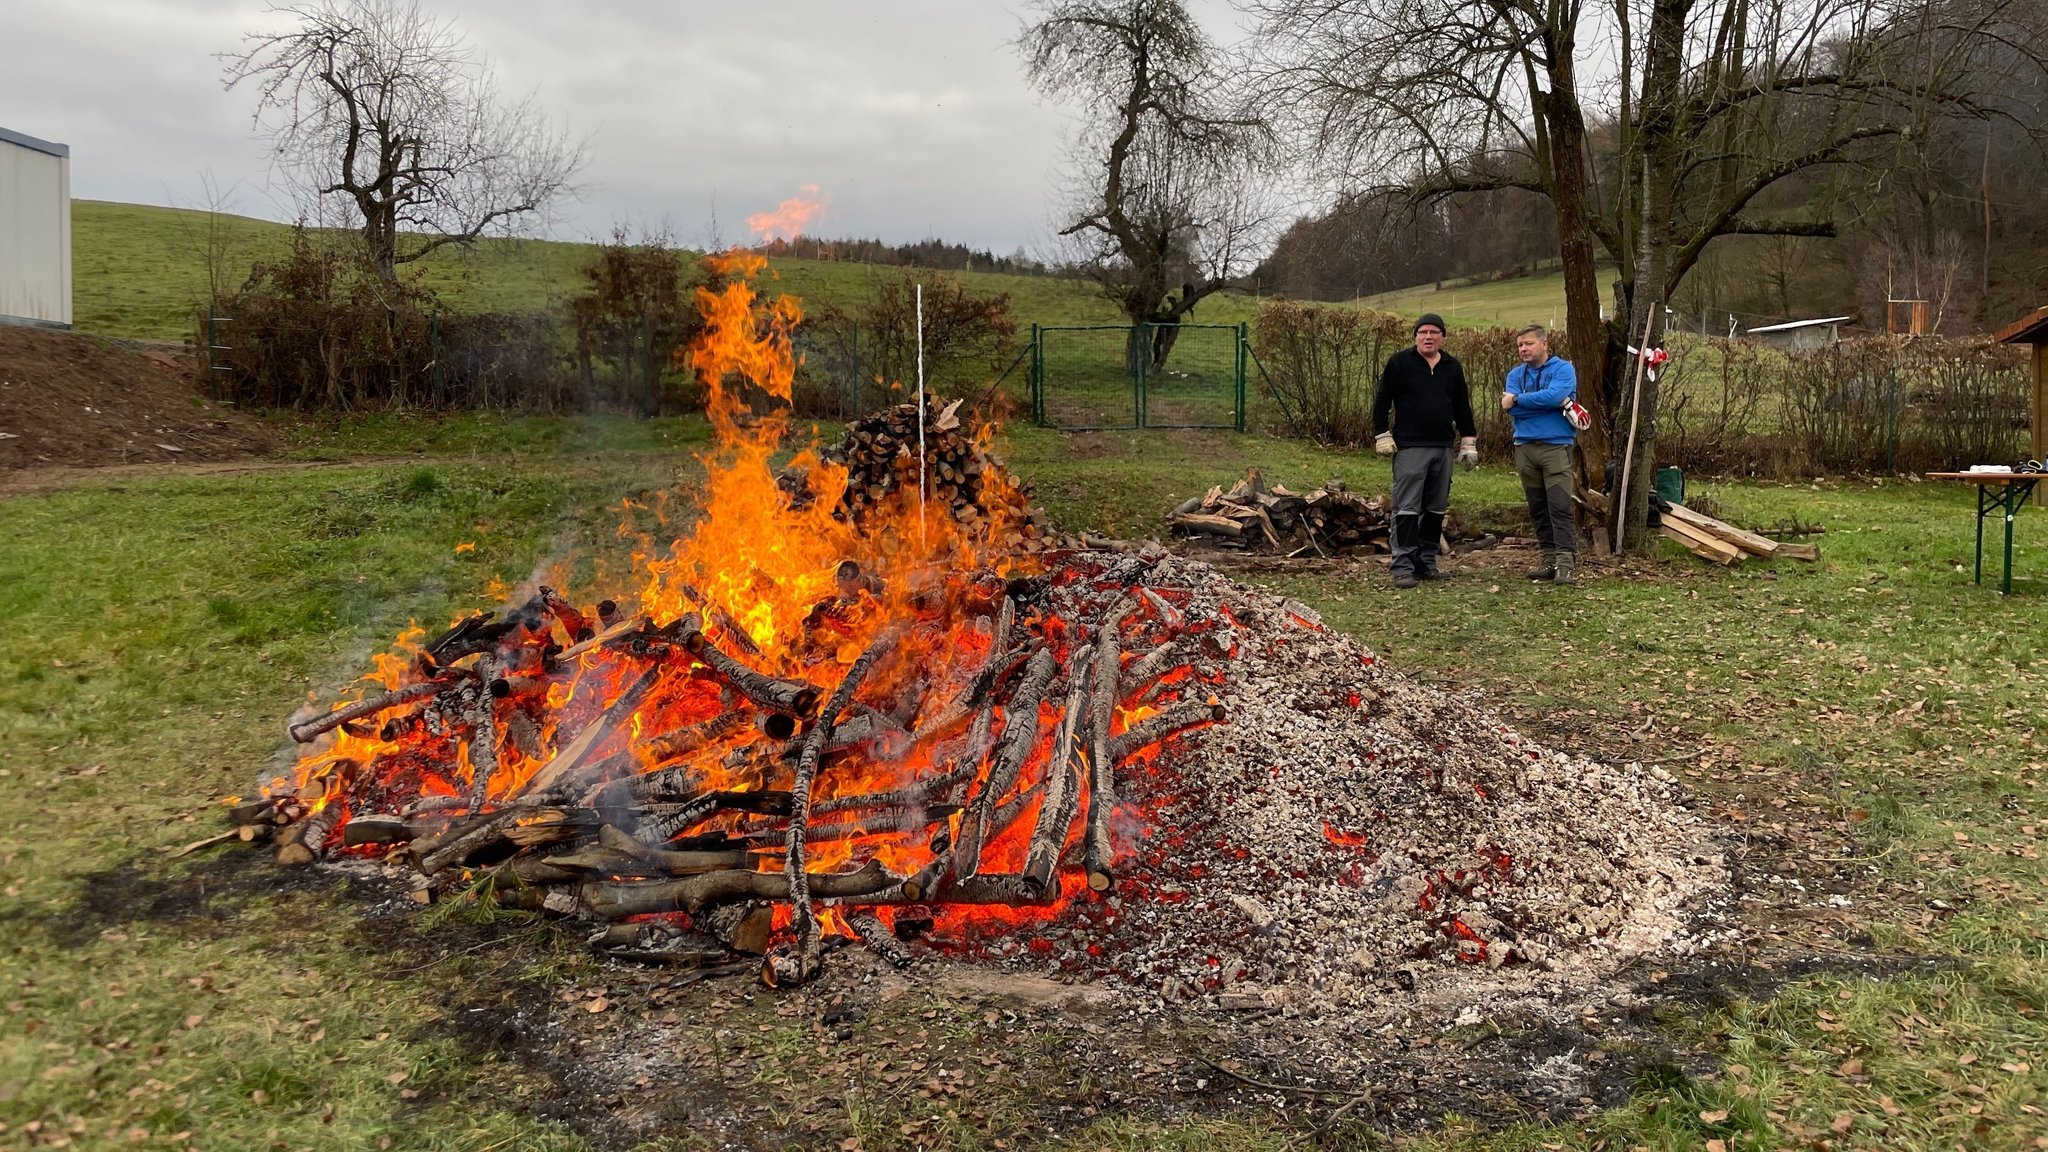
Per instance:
{"type": "Point", "coordinates": [1432, 406]}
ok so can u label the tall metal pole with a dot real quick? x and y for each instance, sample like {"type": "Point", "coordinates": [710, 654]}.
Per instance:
{"type": "Point", "coordinates": [647, 365]}
{"type": "Point", "coordinates": [922, 484]}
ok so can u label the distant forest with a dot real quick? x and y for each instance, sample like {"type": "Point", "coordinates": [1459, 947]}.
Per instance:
{"type": "Point", "coordinates": [1957, 216]}
{"type": "Point", "coordinates": [935, 254]}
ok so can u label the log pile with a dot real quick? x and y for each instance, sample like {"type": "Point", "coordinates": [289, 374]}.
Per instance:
{"type": "Point", "coordinates": [937, 739]}
{"type": "Point", "coordinates": [1721, 543]}
{"type": "Point", "coordinates": [880, 454]}
{"type": "Point", "coordinates": [1328, 521]}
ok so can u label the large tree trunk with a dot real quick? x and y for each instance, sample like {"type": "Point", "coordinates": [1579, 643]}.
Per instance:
{"type": "Point", "coordinates": [1585, 333]}
{"type": "Point", "coordinates": [1662, 152]}
{"type": "Point", "coordinates": [380, 238]}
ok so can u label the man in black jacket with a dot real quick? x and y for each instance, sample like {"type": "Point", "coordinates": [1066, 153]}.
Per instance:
{"type": "Point", "coordinates": [1425, 388]}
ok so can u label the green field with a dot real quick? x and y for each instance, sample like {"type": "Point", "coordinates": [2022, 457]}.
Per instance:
{"type": "Point", "coordinates": [1868, 727]}
{"type": "Point", "coordinates": [141, 271]}
{"type": "Point", "coordinates": [1499, 303]}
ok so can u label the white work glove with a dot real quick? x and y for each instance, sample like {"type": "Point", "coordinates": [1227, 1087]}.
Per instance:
{"type": "Point", "coordinates": [1468, 452]}
{"type": "Point", "coordinates": [1384, 444]}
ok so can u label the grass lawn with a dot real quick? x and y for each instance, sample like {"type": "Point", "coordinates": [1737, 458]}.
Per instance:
{"type": "Point", "coordinates": [1537, 299]}
{"type": "Point", "coordinates": [140, 271]}
{"type": "Point", "coordinates": [1869, 727]}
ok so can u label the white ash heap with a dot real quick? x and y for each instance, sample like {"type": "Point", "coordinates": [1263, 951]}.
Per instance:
{"type": "Point", "coordinates": [1347, 829]}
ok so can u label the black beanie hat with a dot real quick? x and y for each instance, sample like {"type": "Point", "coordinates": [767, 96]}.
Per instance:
{"type": "Point", "coordinates": [1431, 319]}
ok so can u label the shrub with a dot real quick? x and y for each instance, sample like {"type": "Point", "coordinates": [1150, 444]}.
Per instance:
{"type": "Point", "coordinates": [318, 330]}
{"type": "Point", "coordinates": [1324, 361]}
{"type": "Point", "coordinates": [861, 358]}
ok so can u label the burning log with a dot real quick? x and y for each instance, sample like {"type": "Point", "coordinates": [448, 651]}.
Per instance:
{"type": "Point", "coordinates": [675, 863]}
{"type": "Point", "coordinates": [740, 927]}
{"type": "Point", "coordinates": [573, 622]}
{"type": "Point", "coordinates": [1062, 781]}
{"type": "Point", "coordinates": [483, 744]}
{"type": "Point", "coordinates": [307, 731]}
{"type": "Point", "coordinates": [619, 631]}
{"type": "Point", "coordinates": [1152, 664]}
{"type": "Point", "coordinates": [609, 901]}
{"type": "Point", "coordinates": [1020, 735]}
{"type": "Point", "coordinates": [793, 696]}
{"type": "Point", "coordinates": [800, 802]}
{"type": "Point", "coordinates": [306, 841]}
{"type": "Point", "coordinates": [879, 939]}
{"type": "Point", "coordinates": [573, 754]}
{"type": "Point", "coordinates": [1160, 725]}
{"type": "Point", "coordinates": [376, 829]}
{"type": "Point", "coordinates": [1100, 852]}
{"type": "Point", "coordinates": [461, 843]}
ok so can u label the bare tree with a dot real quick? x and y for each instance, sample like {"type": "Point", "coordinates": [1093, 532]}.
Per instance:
{"type": "Point", "coordinates": [1700, 107]}
{"type": "Point", "coordinates": [1166, 209]}
{"type": "Point", "coordinates": [380, 104]}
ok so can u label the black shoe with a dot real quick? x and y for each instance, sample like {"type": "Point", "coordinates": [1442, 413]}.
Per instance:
{"type": "Point", "coordinates": [1428, 574]}
{"type": "Point", "coordinates": [1404, 579]}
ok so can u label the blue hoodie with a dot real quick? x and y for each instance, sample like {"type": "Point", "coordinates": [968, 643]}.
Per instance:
{"type": "Point", "coordinates": [1540, 391]}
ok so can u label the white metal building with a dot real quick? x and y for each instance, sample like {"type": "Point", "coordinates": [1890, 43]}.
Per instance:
{"type": "Point", "coordinates": [35, 231]}
{"type": "Point", "coordinates": [1802, 335]}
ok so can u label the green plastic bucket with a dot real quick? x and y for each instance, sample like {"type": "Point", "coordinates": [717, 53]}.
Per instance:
{"type": "Point", "coordinates": [1671, 484]}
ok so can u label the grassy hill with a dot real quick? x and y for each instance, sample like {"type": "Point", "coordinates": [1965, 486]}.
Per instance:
{"type": "Point", "coordinates": [1523, 300]}
{"type": "Point", "coordinates": [140, 271]}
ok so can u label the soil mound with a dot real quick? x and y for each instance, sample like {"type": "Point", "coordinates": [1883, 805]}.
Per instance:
{"type": "Point", "coordinates": [69, 399]}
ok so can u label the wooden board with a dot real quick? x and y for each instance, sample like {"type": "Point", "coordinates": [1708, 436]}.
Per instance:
{"type": "Point", "coordinates": [1749, 542]}
{"type": "Point", "coordinates": [1702, 544]}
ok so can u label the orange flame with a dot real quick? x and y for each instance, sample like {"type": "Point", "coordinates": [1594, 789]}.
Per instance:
{"type": "Point", "coordinates": [787, 221]}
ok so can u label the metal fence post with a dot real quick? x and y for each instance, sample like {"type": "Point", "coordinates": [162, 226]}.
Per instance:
{"type": "Point", "coordinates": [440, 381]}
{"type": "Point", "coordinates": [1244, 343]}
{"type": "Point", "coordinates": [1037, 376]}
{"type": "Point", "coordinates": [1142, 346]}
{"type": "Point", "coordinates": [212, 381]}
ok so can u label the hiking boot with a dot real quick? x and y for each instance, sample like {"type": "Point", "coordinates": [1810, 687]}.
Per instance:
{"type": "Point", "coordinates": [1564, 563]}
{"type": "Point", "coordinates": [1404, 579]}
{"type": "Point", "coordinates": [1548, 571]}
{"type": "Point", "coordinates": [1428, 574]}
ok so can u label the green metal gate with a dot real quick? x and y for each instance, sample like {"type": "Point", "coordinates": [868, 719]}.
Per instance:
{"type": "Point", "coordinates": [1092, 377]}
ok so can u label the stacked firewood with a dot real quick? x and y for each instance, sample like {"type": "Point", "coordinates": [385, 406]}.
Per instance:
{"type": "Point", "coordinates": [880, 452]}
{"type": "Point", "coordinates": [1328, 521]}
{"type": "Point", "coordinates": [671, 780]}
{"type": "Point", "coordinates": [708, 825]}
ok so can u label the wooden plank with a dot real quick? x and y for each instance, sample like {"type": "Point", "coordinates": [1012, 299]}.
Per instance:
{"type": "Point", "coordinates": [1218, 525]}
{"type": "Point", "coordinates": [1749, 542]}
{"type": "Point", "coordinates": [1702, 544]}
{"type": "Point", "coordinates": [1807, 552]}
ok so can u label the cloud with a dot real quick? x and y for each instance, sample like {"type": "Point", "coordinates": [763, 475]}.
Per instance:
{"type": "Point", "coordinates": [911, 116]}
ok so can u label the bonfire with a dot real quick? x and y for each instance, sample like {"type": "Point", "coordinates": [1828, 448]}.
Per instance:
{"type": "Point", "coordinates": [829, 701]}
{"type": "Point", "coordinates": [869, 699]}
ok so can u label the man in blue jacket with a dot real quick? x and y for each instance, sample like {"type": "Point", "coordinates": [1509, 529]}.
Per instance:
{"type": "Point", "coordinates": [1536, 392]}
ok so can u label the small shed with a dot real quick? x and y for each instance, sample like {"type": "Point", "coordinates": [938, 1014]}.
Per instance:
{"type": "Point", "coordinates": [2033, 329]}
{"type": "Point", "coordinates": [35, 231]}
{"type": "Point", "coordinates": [1802, 335]}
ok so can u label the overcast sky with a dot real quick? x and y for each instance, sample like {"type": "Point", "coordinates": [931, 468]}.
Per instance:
{"type": "Point", "coordinates": [911, 116]}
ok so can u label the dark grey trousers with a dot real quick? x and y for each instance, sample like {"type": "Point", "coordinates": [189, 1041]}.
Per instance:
{"type": "Point", "coordinates": [1546, 472]}
{"type": "Point", "coordinates": [1422, 494]}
